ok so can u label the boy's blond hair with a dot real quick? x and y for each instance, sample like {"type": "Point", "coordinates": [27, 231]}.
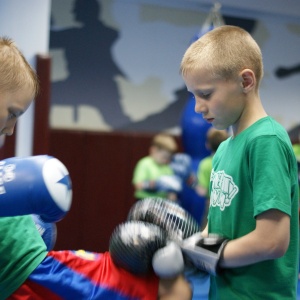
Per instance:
{"type": "Point", "coordinates": [15, 72]}
{"type": "Point", "coordinates": [165, 141]}
{"type": "Point", "coordinates": [224, 52]}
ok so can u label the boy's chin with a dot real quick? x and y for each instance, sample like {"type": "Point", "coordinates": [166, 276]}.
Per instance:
{"type": "Point", "coordinates": [162, 161]}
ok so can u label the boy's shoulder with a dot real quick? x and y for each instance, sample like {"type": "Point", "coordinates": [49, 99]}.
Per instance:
{"type": "Point", "coordinates": [269, 126]}
{"type": "Point", "coordinates": [266, 127]}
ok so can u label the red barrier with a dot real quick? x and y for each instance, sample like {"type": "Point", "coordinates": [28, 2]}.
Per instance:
{"type": "Point", "coordinates": [42, 106]}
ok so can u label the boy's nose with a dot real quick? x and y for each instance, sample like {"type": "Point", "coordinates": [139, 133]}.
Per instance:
{"type": "Point", "coordinates": [10, 126]}
{"type": "Point", "coordinates": [200, 106]}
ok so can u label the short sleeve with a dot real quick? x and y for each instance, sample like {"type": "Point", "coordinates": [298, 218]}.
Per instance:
{"type": "Point", "coordinates": [270, 174]}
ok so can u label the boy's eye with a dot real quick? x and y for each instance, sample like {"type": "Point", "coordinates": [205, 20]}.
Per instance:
{"type": "Point", "coordinates": [205, 95]}
{"type": "Point", "coordinates": [11, 116]}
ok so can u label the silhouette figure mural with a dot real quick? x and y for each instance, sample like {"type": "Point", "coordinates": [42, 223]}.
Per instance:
{"type": "Point", "coordinates": [283, 72]}
{"type": "Point", "coordinates": [92, 70]}
{"type": "Point", "coordinates": [167, 118]}
{"type": "Point", "coordinates": [92, 73]}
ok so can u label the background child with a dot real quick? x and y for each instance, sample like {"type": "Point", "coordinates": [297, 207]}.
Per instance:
{"type": "Point", "coordinates": [28, 270]}
{"type": "Point", "coordinates": [150, 171]}
{"type": "Point", "coordinates": [213, 139]}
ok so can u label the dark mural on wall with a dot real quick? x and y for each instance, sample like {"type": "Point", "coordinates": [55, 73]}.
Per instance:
{"type": "Point", "coordinates": [283, 72]}
{"type": "Point", "coordinates": [167, 118]}
{"type": "Point", "coordinates": [92, 72]}
{"type": "Point", "coordinates": [90, 64]}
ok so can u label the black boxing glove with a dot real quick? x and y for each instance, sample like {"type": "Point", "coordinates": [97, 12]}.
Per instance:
{"type": "Point", "coordinates": [205, 252]}
{"type": "Point", "coordinates": [140, 248]}
{"type": "Point", "coordinates": [176, 222]}
{"type": "Point", "coordinates": [166, 214]}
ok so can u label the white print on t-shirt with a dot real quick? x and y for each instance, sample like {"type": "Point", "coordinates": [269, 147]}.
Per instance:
{"type": "Point", "coordinates": [223, 189]}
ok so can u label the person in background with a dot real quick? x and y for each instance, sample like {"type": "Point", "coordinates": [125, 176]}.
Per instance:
{"type": "Point", "coordinates": [28, 269]}
{"type": "Point", "coordinates": [22, 249]}
{"type": "Point", "coordinates": [296, 148]}
{"type": "Point", "coordinates": [214, 138]}
{"type": "Point", "coordinates": [153, 175]}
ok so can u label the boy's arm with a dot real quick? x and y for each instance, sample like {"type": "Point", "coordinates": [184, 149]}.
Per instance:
{"type": "Point", "coordinates": [205, 231]}
{"type": "Point", "coordinates": [269, 240]}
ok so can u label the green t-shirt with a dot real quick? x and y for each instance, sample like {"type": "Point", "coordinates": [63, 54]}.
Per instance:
{"type": "Point", "coordinates": [252, 173]}
{"type": "Point", "coordinates": [147, 169]}
{"type": "Point", "coordinates": [21, 250]}
{"type": "Point", "coordinates": [204, 171]}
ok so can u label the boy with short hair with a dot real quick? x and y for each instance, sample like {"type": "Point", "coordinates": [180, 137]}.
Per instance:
{"type": "Point", "coordinates": [20, 253]}
{"type": "Point", "coordinates": [254, 184]}
{"type": "Point", "coordinates": [151, 168]}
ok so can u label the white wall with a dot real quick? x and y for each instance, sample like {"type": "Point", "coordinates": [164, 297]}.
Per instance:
{"type": "Point", "coordinates": [27, 23]}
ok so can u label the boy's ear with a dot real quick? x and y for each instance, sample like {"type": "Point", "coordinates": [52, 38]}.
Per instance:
{"type": "Point", "coordinates": [248, 80]}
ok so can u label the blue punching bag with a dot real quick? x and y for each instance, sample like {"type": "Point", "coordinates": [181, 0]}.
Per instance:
{"type": "Point", "coordinates": [194, 130]}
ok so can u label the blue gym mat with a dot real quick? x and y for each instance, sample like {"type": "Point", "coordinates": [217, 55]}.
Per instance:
{"type": "Point", "coordinates": [201, 287]}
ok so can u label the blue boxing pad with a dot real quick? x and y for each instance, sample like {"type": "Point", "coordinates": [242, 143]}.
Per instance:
{"type": "Point", "coordinates": [35, 185]}
{"type": "Point", "coordinates": [48, 231]}
{"type": "Point", "coordinates": [181, 165]}
{"type": "Point", "coordinates": [169, 183]}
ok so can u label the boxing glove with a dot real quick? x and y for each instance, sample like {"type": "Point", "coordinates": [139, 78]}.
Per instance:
{"type": "Point", "coordinates": [168, 183]}
{"type": "Point", "coordinates": [165, 183]}
{"type": "Point", "coordinates": [48, 231]}
{"type": "Point", "coordinates": [204, 252]}
{"type": "Point", "coordinates": [140, 248]}
{"type": "Point", "coordinates": [175, 221]}
{"type": "Point", "coordinates": [168, 215]}
{"type": "Point", "coordinates": [168, 262]}
{"type": "Point", "coordinates": [181, 165]}
{"type": "Point", "coordinates": [35, 185]}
